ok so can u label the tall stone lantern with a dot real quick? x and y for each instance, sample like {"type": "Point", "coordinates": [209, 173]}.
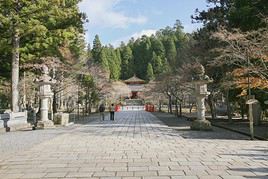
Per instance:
{"type": "Point", "coordinates": [200, 81]}
{"type": "Point", "coordinates": [45, 95]}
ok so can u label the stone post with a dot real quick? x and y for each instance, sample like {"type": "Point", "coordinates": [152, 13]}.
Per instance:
{"type": "Point", "coordinates": [251, 102]}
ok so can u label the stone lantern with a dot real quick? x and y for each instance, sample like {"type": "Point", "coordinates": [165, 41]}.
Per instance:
{"type": "Point", "coordinates": [45, 95]}
{"type": "Point", "coordinates": [200, 81]}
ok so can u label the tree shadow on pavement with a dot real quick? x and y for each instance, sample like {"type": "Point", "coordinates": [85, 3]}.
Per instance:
{"type": "Point", "coordinates": [257, 177]}
{"type": "Point", "coordinates": [260, 172]}
{"type": "Point", "coordinates": [182, 126]}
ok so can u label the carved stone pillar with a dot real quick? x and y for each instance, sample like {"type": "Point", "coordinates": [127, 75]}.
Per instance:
{"type": "Point", "coordinates": [45, 94]}
{"type": "Point", "coordinates": [200, 93]}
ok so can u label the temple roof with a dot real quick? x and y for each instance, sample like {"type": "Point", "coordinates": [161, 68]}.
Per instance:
{"type": "Point", "coordinates": [134, 79]}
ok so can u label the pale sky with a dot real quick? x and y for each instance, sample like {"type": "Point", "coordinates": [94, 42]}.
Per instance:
{"type": "Point", "coordinates": [119, 20]}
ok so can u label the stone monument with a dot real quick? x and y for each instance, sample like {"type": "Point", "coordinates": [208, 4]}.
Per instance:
{"type": "Point", "coordinates": [45, 95]}
{"type": "Point", "coordinates": [200, 81]}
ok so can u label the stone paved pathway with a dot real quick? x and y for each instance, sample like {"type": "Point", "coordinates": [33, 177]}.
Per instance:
{"type": "Point", "coordinates": [135, 146]}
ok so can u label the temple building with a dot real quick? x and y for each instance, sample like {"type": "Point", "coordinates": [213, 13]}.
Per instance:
{"type": "Point", "coordinates": [136, 86]}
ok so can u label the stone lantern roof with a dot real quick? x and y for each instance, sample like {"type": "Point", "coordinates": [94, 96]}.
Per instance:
{"type": "Point", "coordinates": [134, 80]}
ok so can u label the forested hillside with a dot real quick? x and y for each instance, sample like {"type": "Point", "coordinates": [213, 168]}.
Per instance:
{"type": "Point", "coordinates": [147, 57]}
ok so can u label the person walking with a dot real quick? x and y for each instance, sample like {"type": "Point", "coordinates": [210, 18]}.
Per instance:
{"type": "Point", "coordinates": [101, 110]}
{"type": "Point", "coordinates": [112, 109]}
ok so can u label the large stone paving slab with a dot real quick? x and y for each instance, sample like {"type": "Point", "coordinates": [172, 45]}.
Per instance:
{"type": "Point", "coordinates": [135, 145]}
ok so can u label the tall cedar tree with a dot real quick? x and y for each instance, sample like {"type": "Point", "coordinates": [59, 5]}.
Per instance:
{"type": "Point", "coordinates": [33, 29]}
{"type": "Point", "coordinates": [96, 50]}
{"type": "Point", "coordinates": [149, 72]}
{"type": "Point", "coordinates": [103, 58]}
{"type": "Point", "coordinates": [114, 63]}
{"type": "Point", "coordinates": [157, 64]}
{"type": "Point", "coordinates": [127, 62]}
{"type": "Point", "coordinates": [171, 52]}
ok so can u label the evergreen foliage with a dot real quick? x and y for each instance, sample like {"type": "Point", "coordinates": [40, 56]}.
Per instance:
{"type": "Point", "coordinates": [163, 51]}
{"type": "Point", "coordinates": [149, 72]}
{"type": "Point", "coordinates": [96, 50]}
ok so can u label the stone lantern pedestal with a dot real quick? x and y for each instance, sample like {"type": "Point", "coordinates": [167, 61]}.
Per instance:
{"type": "Point", "coordinates": [201, 93]}
{"type": "Point", "coordinates": [45, 95]}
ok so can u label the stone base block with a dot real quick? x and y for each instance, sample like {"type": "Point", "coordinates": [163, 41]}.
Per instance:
{"type": "Point", "coordinates": [2, 128]}
{"type": "Point", "coordinates": [61, 118]}
{"type": "Point", "coordinates": [201, 125]}
{"type": "Point", "coordinates": [45, 124]}
{"type": "Point", "coordinates": [14, 125]}
{"type": "Point", "coordinates": [14, 121]}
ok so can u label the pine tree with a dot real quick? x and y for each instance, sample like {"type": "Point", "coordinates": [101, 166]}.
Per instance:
{"type": "Point", "coordinates": [89, 52]}
{"type": "Point", "coordinates": [214, 17]}
{"type": "Point", "coordinates": [118, 62]}
{"type": "Point", "coordinates": [157, 64]}
{"type": "Point", "coordinates": [166, 67]}
{"type": "Point", "coordinates": [158, 47]}
{"type": "Point", "coordinates": [127, 63]}
{"type": "Point", "coordinates": [96, 50]}
{"type": "Point", "coordinates": [149, 72]}
{"type": "Point", "coordinates": [103, 58]}
{"type": "Point", "coordinates": [114, 64]}
{"type": "Point", "coordinates": [118, 55]}
{"type": "Point", "coordinates": [171, 52]}
{"type": "Point", "coordinates": [142, 53]}
{"type": "Point", "coordinates": [248, 15]}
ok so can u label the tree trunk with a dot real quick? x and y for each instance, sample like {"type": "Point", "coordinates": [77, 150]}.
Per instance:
{"type": "Point", "coordinates": [86, 105]}
{"type": "Point", "coordinates": [24, 92]}
{"type": "Point", "coordinates": [212, 105]}
{"type": "Point", "coordinates": [15, 71]}
{"type": "Point", "coordinates": [177, 107]}
{"type": "Point", "coordinates": [180, 110]}
{"type": "Point", "coordinates": [89, 107]}
{"type": "Point", "coordinates": [160, 106]}
{"type": "Point", "coordinates": [55, 110]}
{"type": "Point", "coordinates": [170, 104]}
{"type": "Point", "coordinates": [61, 93]}
{"type": "Point", "coordinates": [229, 108]}
{"type": "Point", "coordinates": [191, 107]}
{"type": "Point", "coordinates": [242, 110]}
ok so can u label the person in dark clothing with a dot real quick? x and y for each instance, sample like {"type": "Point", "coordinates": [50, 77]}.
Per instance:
{"type": "Point", "coordinates": [101, 110]}
{"type": "Point", "coordinates": [112, 110]}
